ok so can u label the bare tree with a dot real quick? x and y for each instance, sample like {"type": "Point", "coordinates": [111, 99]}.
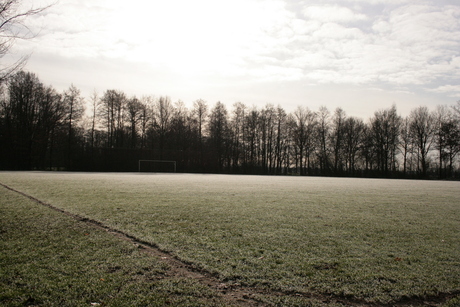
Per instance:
{"type": "Point", "coordinates": [111, 113]}
{"type": "Point", "coordinates": [442, 115]}
{"type": "Point", "coordinates": [252, 136]}
{"type": "Point", "coordinates": [450, 138]}
{"type": "Point", "coordinates": [145, 118]}
{"type": "Point", "coordinates": [268, 138]}
{"type": "Point", "coordinates": [323, 132]}
{"type": "Point", "coordinates": [281, 146]}
{"type": "Point", "coordinates": [200, 113]}
{"type": "Point", "coordinates": [337, 138]}
{"type": "Point", "coordinates": [238, 129]}
{"type": "Point", "coordinates": [162, 115]}
{"type": "Point", "coordinates": [133, 113]}
{"type": "Point", "coordinates": [218, 134]}
{"type": "Point", "coordinates": [181, 131]}
{"type": "Point", "coordinates": [422, 129]}
{"type": "Point", "coordinates": [406, 144]}
{"type": "Point", "coordinates": [447, 136]}
{"type": "Point", "coordinates": [353, 141]}
{"type": "Point", "coordinates": [31, 113]}
{"type": "Point", "coordinates": [456, 109]}
{"type": "Point", "coordinates": [303, 125]}
{"type": "Point", "coordinates": [12, 28]}
{"type": "Point", "coordinates": [94, 103]}
{"type": "Point", "coordinates": [74, 109]}
{"type": "Point", "coordinates": [385, 129]}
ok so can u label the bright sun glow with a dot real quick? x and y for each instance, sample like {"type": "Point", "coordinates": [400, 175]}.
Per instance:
{"type": "Point", "coordinates": [190, 37]}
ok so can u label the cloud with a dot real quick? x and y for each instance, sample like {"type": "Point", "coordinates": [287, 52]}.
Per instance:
{"type": "Point", "coordinates": [332, 13]}
{"type": "Point", "coordinates": [429, 24]}
{"type": "Point", "coordinates": [450, 90]}
{"type": "Point", "coordinates": [410, 44]}
{"type": "Point", "coordinates": [375, 2]}
{"type": "Point", "coordinates": [388, 44]}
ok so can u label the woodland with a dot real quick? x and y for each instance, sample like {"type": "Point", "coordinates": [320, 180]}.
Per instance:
{"type": "Point", "coordinates": [43, 129]}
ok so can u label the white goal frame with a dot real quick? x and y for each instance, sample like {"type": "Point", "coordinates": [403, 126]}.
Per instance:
{"type": "Point", "coordinates": [158, 161]}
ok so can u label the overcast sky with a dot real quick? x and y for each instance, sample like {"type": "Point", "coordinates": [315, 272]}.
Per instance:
{"type": "Point", "coordinates": [361, 55]}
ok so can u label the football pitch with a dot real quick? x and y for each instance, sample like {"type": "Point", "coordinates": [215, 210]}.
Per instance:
{"type": "Point", "coordinates": [285, 240]}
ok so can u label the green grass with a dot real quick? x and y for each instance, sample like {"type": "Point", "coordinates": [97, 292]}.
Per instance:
{"type": "Point", "coordinates": [379, 241]}
{"type": "Point", "coordinates": [49, 259]}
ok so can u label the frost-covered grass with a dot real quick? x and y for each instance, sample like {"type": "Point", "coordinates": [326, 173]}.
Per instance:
{"type": "Point", "coordinates": [50, 259]}
{"type": "Point", "coordinates": [375, 240]}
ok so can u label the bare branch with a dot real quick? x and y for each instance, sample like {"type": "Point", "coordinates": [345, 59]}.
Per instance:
{"type": "Point", "coordinates": [12, 19]}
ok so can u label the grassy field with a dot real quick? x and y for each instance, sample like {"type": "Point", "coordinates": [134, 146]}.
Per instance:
{"type": "Point", "coordinates": [369, 241]}
{"type": "Point", "coordinates": [50, 259]}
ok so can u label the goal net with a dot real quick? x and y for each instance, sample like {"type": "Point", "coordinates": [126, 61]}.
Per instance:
{"type": "Point", "coordinates": [156, 166]}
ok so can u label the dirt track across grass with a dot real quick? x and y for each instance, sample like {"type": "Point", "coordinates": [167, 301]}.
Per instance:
{"type": "Point", "coordinates": [234, 293]}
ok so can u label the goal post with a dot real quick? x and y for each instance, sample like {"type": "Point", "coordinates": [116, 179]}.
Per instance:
{"type": "Point", "coordinates": [157, 166]}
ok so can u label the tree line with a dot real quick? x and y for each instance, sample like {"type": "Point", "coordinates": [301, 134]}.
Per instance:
{"type": "Point", "coordinates": [43, 129]}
